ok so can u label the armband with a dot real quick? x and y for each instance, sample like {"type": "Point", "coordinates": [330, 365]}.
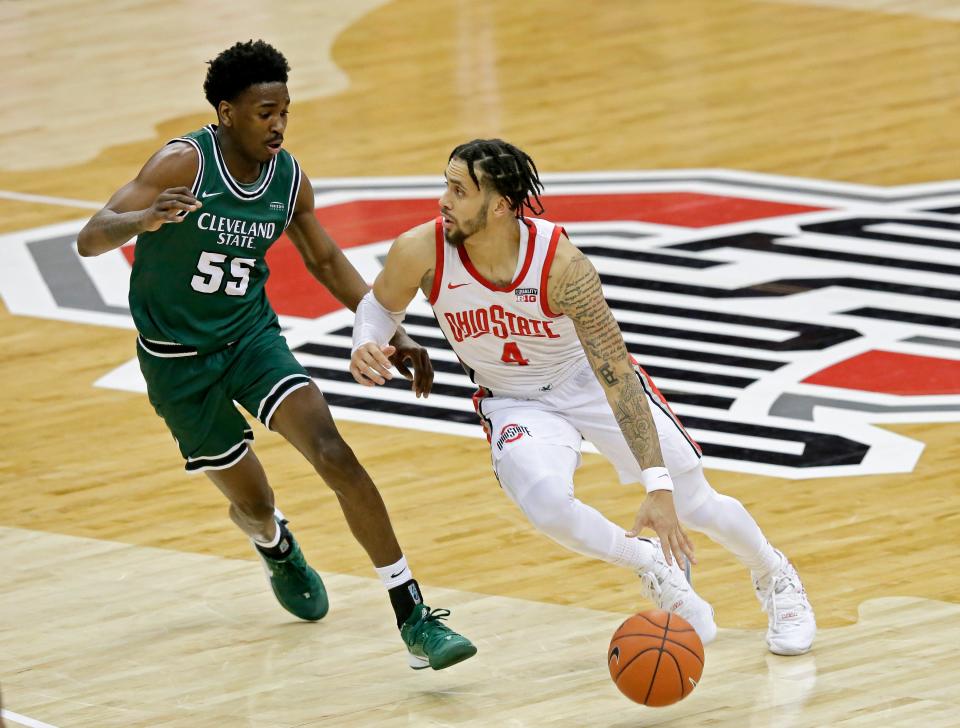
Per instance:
{"type": "Point", "coordinates": [656, 479]}
{"type": "Point", "coordinates": [374, 323]}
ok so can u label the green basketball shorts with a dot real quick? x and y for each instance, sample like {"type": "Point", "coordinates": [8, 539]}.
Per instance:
{"type": "Point", "coordinates": [195, 394]}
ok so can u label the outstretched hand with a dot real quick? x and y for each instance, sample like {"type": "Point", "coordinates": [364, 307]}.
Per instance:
{"type": "Point", "coordinates": [658, 513]}
{"type": "Point", "coordinates": [370, 364]}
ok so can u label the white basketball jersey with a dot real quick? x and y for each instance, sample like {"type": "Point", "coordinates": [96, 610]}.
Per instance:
{"type": "Point", "coordinates": [506, 336]}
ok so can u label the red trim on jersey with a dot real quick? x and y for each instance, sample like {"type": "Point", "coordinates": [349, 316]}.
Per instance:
{"type": "Point", "coordinates": [468, 264]}
{"type": "Point", "coordinates": [663, 400]}
{"type": "Point", "coordinates": [481, 394]}
{"type": "Point", "coordinates": [547, 262]}
{"type": "Point", "coordinates": [438, 265]}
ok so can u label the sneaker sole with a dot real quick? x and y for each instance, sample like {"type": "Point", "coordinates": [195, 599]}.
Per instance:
{"type": "Point", "coordinates": [422, 663]}
{"type": "Point", "coordinates": [788, 651]}
{"type": "Point", "coordinates": [417, 663]}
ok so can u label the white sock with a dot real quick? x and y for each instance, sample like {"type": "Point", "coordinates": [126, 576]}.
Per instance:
{"type": "Point", "coordinates": [635, 554]}
{"type": "Point", "coordinates": [269, 543]}
{"type": "Point", "coordinates": [394, 574]}
{"type": "Point", "coordinates": [770, 561]}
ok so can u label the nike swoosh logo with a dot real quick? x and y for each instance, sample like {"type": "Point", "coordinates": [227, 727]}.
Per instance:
{"type": "Point", "coordinates": [205, 195]}
{"type": "Point", "coordinates": [451, 286]}
{"type": "Point", "coordinates": [394, 576]}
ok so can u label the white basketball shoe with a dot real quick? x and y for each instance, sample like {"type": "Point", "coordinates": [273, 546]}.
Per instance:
{"type": "Point", "coordinates": [791, 626]}
{"type": "Point", "coordinates": [668, 588]}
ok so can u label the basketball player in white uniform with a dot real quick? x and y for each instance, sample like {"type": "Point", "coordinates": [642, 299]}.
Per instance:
{"type": "Point", "coordinates": [524, 311]}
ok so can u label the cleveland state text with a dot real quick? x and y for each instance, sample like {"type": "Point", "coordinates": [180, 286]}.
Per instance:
{"type": "Point", "coordinates": [236, 233]}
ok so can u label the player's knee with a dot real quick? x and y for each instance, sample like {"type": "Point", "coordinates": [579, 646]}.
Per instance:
{"type": "Point", "coordinates": [690, 492]}
{"type": "Point", "coordinates": [549, 507]}
{"type": "Point", "coordinates": [540, 481]}
{"type": "Point", "coordinates": [551, 521]}
{"type": "Point", "coordinates": [331, 457]}
{"type": "Point", "coordinates": [702, 508]}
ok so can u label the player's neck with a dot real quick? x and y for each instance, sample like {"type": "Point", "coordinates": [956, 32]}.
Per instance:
{"type": "Point", "coordinates": [241, 167]}
{"type": "Point", "coordinates": [495, 249]}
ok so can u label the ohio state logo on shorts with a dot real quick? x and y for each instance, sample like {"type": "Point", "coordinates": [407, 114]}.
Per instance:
{"type": "Point", "coordinates": [784, 319]}
{"type": "Point", "coordinates": [511, 433]}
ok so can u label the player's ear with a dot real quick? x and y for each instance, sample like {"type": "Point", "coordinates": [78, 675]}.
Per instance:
{"type": "Point", "coordinates": [502, 207]}
{"type": "Point", "coordinates": [225, 113]}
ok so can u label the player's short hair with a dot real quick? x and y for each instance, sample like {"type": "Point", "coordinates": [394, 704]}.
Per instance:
{"type": "Point", "coordinates": [241, 66]}
{"type": "Point", "coordinates": [506, 169]}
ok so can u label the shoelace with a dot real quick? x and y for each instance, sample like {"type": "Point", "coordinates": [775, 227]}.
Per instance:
{"type": "Point", "coordinates": [291, 569]}
{"type": "Point", "coordinates": [652, 587]}
{"type": "Point", "coordinates": [433, 617]}
{"type": "Point", "coordinates": [783, 594]}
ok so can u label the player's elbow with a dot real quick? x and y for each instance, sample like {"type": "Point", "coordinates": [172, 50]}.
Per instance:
{"type": "Point", "coordinates": [85, 245]}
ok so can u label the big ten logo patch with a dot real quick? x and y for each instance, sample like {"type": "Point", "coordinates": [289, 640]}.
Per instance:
{"type": "Point", "coordinates": [526, 295]}
{"type": "Point", "coordinates": [511, 433]}
{"type": "Point", "coordinates": [785, 320]}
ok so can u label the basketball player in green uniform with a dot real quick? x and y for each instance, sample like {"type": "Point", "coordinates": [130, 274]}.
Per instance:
{"type": "Point", "coordinates": [205, 209]}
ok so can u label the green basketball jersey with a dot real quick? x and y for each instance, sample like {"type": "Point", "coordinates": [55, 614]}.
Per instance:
{"type": "Point", "coordinates": [200, 283]}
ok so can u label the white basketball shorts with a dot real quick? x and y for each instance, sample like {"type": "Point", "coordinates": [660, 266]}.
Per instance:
{"type": "Point", "coordinates": [576, 410]}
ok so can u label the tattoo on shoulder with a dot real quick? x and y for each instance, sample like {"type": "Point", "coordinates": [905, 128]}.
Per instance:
{"type": "Point", "coordinates": [575, 280]}
{"type": "Point", "coordinates": [580, 296]}
{"type": "Point", "coordinates": [578, 290]}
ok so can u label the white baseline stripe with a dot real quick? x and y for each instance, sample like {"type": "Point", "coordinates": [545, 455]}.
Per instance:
{"type": "Point", "coordinates": [110, 274]}
{"type": "Point", "coordinates": [24, 720]}
{"type": "Point", "coordinates": [759, 443]}
{"type": "Point", "coordinates": [45, 200]}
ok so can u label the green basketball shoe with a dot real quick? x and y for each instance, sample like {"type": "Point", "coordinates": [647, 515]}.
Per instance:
{"type": "Point", "coordinates": [295, 584]}
{"type": "Point", "coordinates": [432, 643]}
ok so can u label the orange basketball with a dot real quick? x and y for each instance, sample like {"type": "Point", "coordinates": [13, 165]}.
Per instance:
{"type": "Point", "coordinates": [655, 658]}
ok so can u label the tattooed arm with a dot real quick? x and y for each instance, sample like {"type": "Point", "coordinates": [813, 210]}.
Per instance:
{"type": "Point", "coordinates": [574, 290]}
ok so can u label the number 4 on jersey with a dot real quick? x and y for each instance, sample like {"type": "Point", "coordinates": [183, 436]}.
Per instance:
{"type": "Point", "coordinates": [511, 355]}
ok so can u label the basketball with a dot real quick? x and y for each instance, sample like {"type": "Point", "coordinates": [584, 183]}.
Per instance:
{"type": "Point", "coordinates": [655, 658]}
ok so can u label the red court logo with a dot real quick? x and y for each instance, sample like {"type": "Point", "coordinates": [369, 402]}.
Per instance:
{"type": "Point", "coordinates": [784, 319]}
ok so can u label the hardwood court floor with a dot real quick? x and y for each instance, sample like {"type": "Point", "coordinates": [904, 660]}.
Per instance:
{"type": "Point", "coordinates": [815, 90]}
{"type": "Point", "coordinates": [197, 641]}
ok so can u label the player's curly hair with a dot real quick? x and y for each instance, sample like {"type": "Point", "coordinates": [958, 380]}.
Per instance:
{"type": "Point", "coordinates": [240, 66]}
{"type": "Point", "coordinates": [506, 169]}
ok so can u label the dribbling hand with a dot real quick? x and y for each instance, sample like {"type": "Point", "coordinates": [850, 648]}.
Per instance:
{"type": "Point", "coordinates": [658, 513]}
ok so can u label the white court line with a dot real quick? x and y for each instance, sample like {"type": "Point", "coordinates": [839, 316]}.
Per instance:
{"type": "Point", "coordinates": [45, 200]}
{"type": "Point", "coordinates": [24, 720]}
